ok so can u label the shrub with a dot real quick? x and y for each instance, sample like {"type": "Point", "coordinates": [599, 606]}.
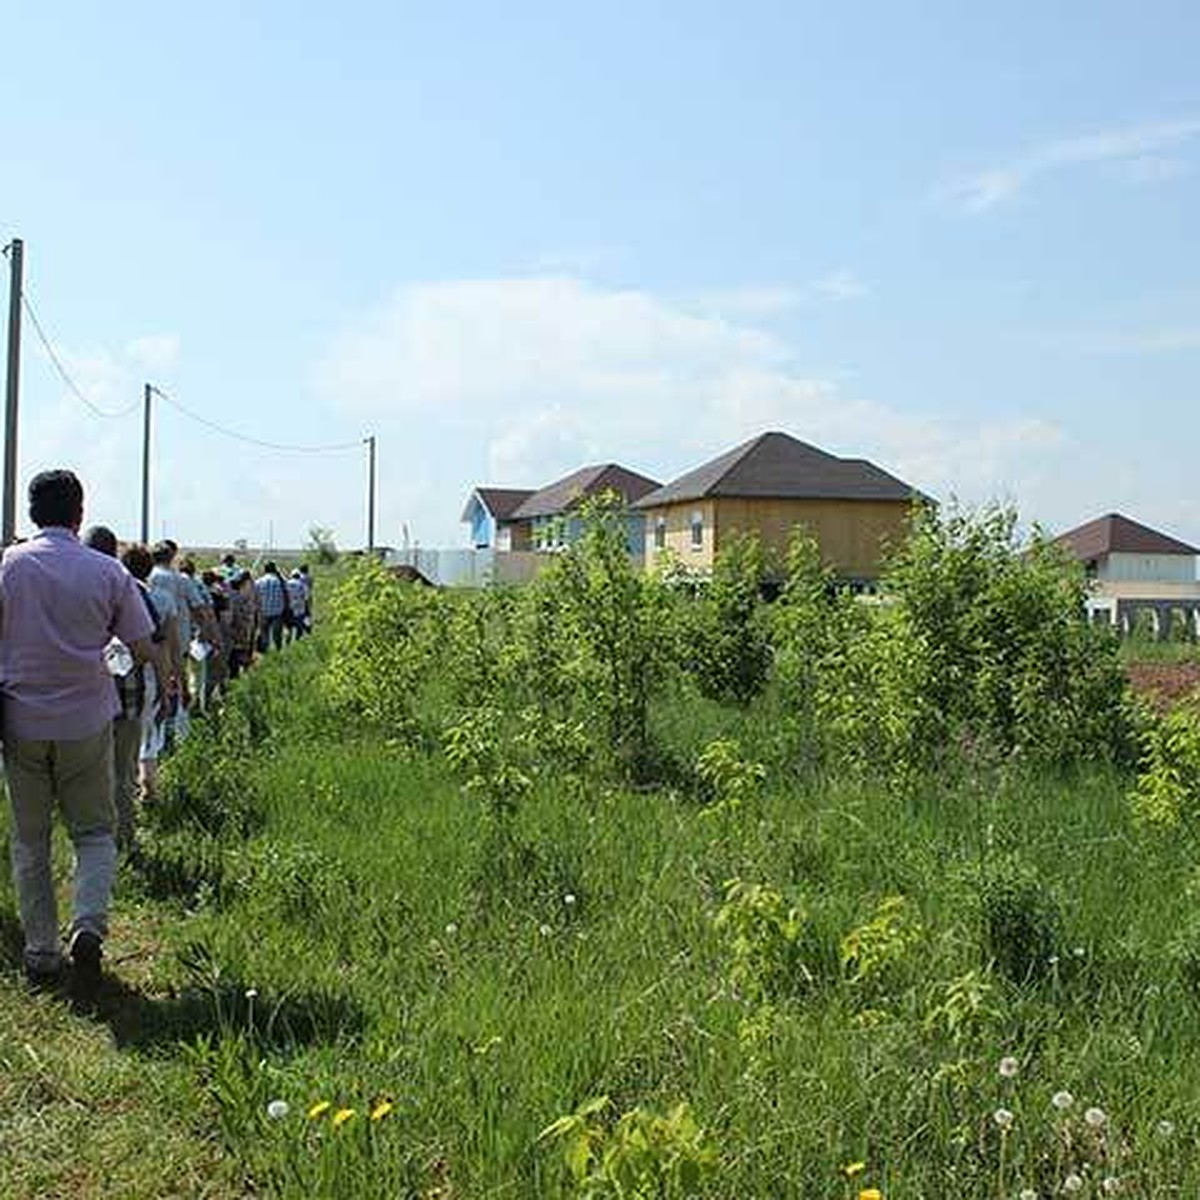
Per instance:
{"type": "Point", "coordinates": [1167, 792]}
{"type": "Point", "coordinates": [1020, 918]}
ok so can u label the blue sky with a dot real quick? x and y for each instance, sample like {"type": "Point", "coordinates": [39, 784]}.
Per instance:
{"type": "Point", "coordinates": [511, 239]}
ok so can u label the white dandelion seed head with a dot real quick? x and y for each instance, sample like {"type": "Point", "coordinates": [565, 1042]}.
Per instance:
{"type": "Point", "coordinates": [252, 993]}
{"type": "Point", "coordinates": [1003, 1117]}
{"type": "Point", "coordinates": [1008, 1067]}
{"type": "Point", "coordinates": [1062, 1100]}
{"type": "Point", "coordinates": [277, 1110]}
{"type": "Point", "coordinates": [1165, 1128]}
{"type": "Point", "coordinates": [569, 899]}
{"type": "Point", "coordinates": [1073, 1183]}
{"type": "Point", "coordinates": [1095, 1117]}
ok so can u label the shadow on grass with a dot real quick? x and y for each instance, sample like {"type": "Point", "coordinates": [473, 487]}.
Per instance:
{"type": "Point", "coordinates": [273, 1022]}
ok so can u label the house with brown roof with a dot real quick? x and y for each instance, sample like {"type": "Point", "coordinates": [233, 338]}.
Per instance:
{"type": "Point", "coordinates": [551, 513]}
{"type": "Point", "coordinates": [768, 486]}
{"type": "Point", "coordinates": [1134, 569]}
{"type": "Point", "coordinates": [489, 511]}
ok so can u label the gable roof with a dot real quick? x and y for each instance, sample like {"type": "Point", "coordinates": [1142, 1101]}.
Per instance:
{"type": "Point", "coordinates": [500, 502]}
{"type": "Point", "coordinates": [778, 466]}
{"type": "Point", "coordinates": [567, 492]}
{"type": "Point", "coordinates": [1114, 533]}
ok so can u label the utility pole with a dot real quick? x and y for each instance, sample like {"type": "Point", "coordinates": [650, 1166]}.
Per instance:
{"type": "Point", "coordinates": [371, 495]}
{"type": "Point", "coordinates": [146, 395]}
{"type": "Point", "coordinates": [16, 263]}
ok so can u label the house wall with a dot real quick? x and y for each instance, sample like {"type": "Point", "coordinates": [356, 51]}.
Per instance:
{"type": "Point", "coordinates": [678, 533]}
{"type": "Point", "coordinates": [852, 534]}
{"type": "Point", "coordinates": [513, 535]}
{"type": "Point", "coordinates": [1120, 567]}
{"type": "Point", "coordinates": [483, 526]}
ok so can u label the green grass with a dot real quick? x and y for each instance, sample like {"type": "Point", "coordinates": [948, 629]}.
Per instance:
{"type": "Point", "coordinates": [395, 948]}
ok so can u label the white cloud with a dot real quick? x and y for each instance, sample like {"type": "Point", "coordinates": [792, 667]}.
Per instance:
{"type": "Point", "coordinates": [518, 381]}
{"type": "Point", "coordinates": [1129, 145]}
{"type": "Point", "coordinates": [156, 352]}
{"type": "Point", "coordinates": [753, 302]}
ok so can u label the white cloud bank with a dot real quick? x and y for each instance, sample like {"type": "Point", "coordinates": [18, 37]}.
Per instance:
{"type": "Point", "coordinates": [1139, 149]}
{"type": "Point", "coordinates": [517, 381]}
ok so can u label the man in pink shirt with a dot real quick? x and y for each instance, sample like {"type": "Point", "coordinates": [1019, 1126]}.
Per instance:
{"type": "Point", "coordinates": [60, 605]}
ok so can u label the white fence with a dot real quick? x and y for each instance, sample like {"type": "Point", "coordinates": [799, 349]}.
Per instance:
{"type": "Point", "coordinates": [470, 568]}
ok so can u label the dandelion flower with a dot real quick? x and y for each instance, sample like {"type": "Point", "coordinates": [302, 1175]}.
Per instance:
{"type": "Point", "coordinates": [1008, 1067]}
{"type": "Point", "coordinates": [1165, 1128]}
{"type": "Point", "coordinates": [342, 1116]}
{"type": "Point", "coordinates": [1004, 1118]}
{"type": "Point", "coordinates": [277, 1110]}
{"type": "Point", "coordinates": [319, 1109]}
{"type": "Point", "coordinates": [381, 1110]}
{"type": "Point", "coordinates": [1073, 1183]}
{"type": "Point", "coordinates": [854, 1168]}
{"type": "Point", "coordinates": [1095, 1117]}
{"type": "Point", "coordinates": [870, 1194]}
{"type": "Point", "coordinates": [1062, 1100]}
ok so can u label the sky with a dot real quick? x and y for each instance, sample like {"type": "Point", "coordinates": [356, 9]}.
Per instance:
{"type": "Point", "coordinates": [511, 240]}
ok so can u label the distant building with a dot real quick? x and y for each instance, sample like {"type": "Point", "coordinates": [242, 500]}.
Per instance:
{"type": "Point", "coordinates": [489, 512]}
{"type": "Point", "coordinates": [768, 486]}
{"type": "Point", "coordinates": [1134, 569]}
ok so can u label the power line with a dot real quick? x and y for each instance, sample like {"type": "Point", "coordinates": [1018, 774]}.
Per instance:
{"type": "Point", "coordinates": [328, 448]}
{"type": "Point", "coordinates": [64, 374]}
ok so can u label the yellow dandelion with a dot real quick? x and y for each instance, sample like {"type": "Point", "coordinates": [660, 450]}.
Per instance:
{"type": "Point", "coordinates": [318, 1110]}
{"type": "Point", "coordinates": [870, 1194]}
{"type": "Point", "coordinates": [854, 1168]}
{"type": "Point", "coordinates": [342, 1116]}
{"type": "Point", "coordinates": [381, 1110]}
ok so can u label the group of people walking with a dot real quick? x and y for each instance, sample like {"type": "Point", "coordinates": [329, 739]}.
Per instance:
{"type": "Point", "coordinates": [105, 654]}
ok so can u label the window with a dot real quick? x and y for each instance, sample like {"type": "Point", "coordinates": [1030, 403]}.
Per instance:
{"type": "Point", "coordinates": [697, 530]}
{"type": "Point", "coordinates": [660, 533]}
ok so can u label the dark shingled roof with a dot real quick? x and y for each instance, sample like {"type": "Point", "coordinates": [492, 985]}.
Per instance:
{"type": "Point", "coordinates": [1114, 533]}
{"type": "Point", "coordinates": [500, 502]}
{"type": "Point", "coordinates": [565, 493]}
{"type": "Point", "coordinates": [777, 466]}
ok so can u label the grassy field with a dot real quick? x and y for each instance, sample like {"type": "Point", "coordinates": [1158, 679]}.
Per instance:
{"type": "Point", "coordinates": [339, 970]}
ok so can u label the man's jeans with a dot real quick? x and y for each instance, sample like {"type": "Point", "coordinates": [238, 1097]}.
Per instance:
{"type": "Point", "coordinates": [271, 632]}
{"type": "Point", "coordinates": [77, 776]}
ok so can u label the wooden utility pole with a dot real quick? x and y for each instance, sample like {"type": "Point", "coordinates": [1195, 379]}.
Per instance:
{"type": "Point", "coordinates": [146, 396]}
{"type": "Point", "coordinates": [16, 264]}
{"type": "Point", "coordinates": [371, 495]}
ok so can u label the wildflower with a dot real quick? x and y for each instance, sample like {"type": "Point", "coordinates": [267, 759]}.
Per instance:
{"type": "Point", "coordinates": [1028, 1194]}
{"type": "Point", "coordinates": [319, 1109]}
{"type": "Point", "coordinates": [545, 930]}
{"type": "Point", "coordinates": [1004, 1118]}
{"type": "Point", "coordinates": [1008, 1067]}
{"type": "Point", "coordinates": [1095, 1117]}
{"type": "Point", "coordinates": [1062, 1100]}
{"type": "Point", "coordinates": [1072, 1183]}
{"type": "Point", "coordinates": [569, 899]}
{"type": "Point", "coordinates": [252, 993]}
{"type": "Point", "coordinates": [277, 1110]}
{"type": "Point", "coordinates": [1111, 1185]}
{"type": "Point", "coordinates": [1164, 1129]}
{"type": "Point", "coordinates": [451, 929]}
{"type": "Point", "coordinates": [854, 1168]}
{"type": "Point", "coordinates": [870, 1194]}
{"type": "Point", "coordinates": [381, 1110]}
{"type": "Point", "coordinates": [342, 1116]}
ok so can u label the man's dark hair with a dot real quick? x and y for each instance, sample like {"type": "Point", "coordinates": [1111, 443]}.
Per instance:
{"type": "Point", "coordinates": [228, 561]}
{"type": "Point", "coordinates": [173, 544]}
{"type": "Point", "coordinates": [188, 567]}
{"type": "Point", "coordinates": [138, 561]}
{"type": "Point", "coordinates": [162, 553]}
{"type": "Point", "coordinates": [270, 569]}
{"type": "Point", "coordinates": [56, 498]}
{"type": "Point", "coordinates": [100, 537]}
